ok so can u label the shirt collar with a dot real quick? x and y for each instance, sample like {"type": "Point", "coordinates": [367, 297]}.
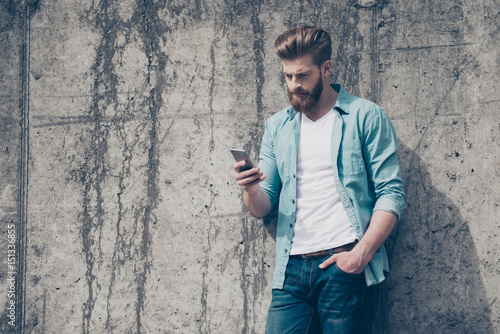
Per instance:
{"type": "Point", "coordinates": [343, 99]}
{"type": "Point", "coordinates": [342, 102]}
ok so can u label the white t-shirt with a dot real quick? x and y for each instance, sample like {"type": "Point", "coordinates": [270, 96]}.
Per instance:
{"type": "Point", "coordinates": [321, 221]}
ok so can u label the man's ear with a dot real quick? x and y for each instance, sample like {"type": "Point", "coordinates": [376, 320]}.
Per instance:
{"type": "Point", "coordinates": [326, 68]}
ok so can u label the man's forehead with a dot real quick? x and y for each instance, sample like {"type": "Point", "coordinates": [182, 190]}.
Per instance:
{"type": "Point", "coordinates": [301, 64]}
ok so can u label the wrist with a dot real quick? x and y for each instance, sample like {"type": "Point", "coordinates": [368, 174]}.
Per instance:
{"type": "Point", "coordinates": [253, 190]}
{"type": "Point", "coordinates": [364, 253]}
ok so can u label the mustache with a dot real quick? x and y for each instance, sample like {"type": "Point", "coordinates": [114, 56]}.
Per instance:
{"type": "Point", "coordinates": [298, 91]}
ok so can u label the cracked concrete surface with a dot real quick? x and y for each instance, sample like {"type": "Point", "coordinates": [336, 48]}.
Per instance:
{"type": "Point", "coordinates": [117, 119]}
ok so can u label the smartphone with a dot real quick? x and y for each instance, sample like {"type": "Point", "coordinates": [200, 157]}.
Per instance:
{"type": "Point", "coordinates": [242, 155]}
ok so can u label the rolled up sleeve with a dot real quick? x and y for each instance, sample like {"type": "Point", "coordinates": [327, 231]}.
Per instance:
{"type": "Point", "coordinates": [382, 163]}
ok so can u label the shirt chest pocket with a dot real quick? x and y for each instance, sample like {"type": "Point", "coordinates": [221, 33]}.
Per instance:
{"type": "Point", "coordinates": [350, 161]}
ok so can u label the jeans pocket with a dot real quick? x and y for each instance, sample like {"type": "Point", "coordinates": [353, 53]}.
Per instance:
{"type": "Point", "coordinates": [347, 274]}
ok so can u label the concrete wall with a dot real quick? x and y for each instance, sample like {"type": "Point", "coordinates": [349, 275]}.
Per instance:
{"type": "Point", "coordinates": [116, 122]}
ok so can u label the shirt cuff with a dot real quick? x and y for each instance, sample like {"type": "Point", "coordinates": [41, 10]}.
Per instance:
{"type": "Point", "coordinates": [386, 204]}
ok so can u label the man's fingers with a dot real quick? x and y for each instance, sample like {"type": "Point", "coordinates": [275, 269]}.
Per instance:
{"type": "Point", "coordinates": [248, 186]}
{"type": "Point", "coordinates": [328, 262]}
{"type": "Point", "coordinates": [249, 179]}
{"type": "Point", "coordinates": [238, 164]}
{"type": "Point", "coordinates": [245, 174]}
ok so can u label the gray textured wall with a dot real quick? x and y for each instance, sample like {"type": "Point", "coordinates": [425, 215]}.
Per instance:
{"type": "Point", "coordinates": [116, 122]}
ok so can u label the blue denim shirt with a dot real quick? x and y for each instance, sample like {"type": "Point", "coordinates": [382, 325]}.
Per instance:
{"type": "Point", "coordinates": [365, 168]}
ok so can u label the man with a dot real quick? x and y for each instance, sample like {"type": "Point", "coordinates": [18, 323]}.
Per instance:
{"type": "Point", "coordinates": [329, 162]}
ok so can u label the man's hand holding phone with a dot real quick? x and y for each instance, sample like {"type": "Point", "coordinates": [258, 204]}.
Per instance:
{"type": "Point", "coordinates": [247, 175]}
{"type": "Point", "coordinates": [248, 179]}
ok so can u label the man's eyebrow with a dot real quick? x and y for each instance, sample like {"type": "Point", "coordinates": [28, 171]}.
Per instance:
{"type": "Point", "coordinates": [299, 72]}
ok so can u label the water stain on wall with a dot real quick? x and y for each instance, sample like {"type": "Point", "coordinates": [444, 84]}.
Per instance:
{"type": "Point", "coordinates": [110, 118]}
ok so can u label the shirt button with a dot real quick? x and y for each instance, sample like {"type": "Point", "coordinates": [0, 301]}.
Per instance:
{"type": "Point", "coordinates": [293, 201]}
{"type": "Point", "coordinates": [294, 176]}
{"type": "Point", "coordinates": [291, 225]}
{"type": "Point", "coordinates": [286, 250]}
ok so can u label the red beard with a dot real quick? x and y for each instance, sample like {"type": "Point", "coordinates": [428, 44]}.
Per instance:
{"type": "Point", "coordinates": [307, 100]}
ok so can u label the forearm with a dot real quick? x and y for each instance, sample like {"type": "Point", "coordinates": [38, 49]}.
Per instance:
{"type": "Point", "coordinates": [381, 226]}
{"type": "Point", "coordinates": [257, 202]}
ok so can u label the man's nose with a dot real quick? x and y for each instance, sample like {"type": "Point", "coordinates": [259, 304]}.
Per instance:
{"type": "Point", "coordinates": [296, 83]}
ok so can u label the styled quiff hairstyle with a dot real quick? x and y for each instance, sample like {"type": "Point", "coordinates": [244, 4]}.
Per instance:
{"type": "Point", "coordinates": [300, 41]}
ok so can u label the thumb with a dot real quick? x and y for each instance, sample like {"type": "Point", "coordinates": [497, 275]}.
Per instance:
{"type": "Point", "coordinates": [328, 262]}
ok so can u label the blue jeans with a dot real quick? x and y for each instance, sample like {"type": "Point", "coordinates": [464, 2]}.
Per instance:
{"type": "Point", "coordinates": [315, 300]}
